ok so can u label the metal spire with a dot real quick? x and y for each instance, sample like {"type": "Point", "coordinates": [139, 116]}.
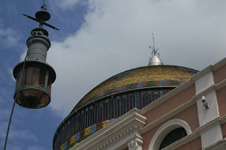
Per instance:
{"type": "Point", "coordinates": [42, 16]}
{"type": "Point", "coordinates": [155, 59]}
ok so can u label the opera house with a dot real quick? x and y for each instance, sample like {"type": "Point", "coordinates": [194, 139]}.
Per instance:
{"type": "Point", "coordinates": [150, 108]}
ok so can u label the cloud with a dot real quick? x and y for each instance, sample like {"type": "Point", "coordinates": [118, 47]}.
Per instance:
{"type": "Point", "coordinates": [115, 37]}
{"type": "Point", "coordinates": [8, 37]}
{"type": "Point", "coordinates": [36, 148]}
{"type": "Point", "coordinates": [22, 134]}
{"type": "Point", "coordinates": [66, 4]}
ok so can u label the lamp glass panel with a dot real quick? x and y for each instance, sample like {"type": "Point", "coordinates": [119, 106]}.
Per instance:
{"type": "Point", "coordinates": [42, 77]}
{"type": "Point", "coordinates": [29, 72]}
{"type": "Point", "coordinates": [48, 88]}
{"type": "Point", "coordinates": [35, 76]}
{"type": "Point", "coordinates": [24, 76]}
{"type": "Point", "coordinates": [17, 79]}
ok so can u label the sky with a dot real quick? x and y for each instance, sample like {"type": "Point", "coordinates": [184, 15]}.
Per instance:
{"type": "Point", "coordinates": [98, 39]}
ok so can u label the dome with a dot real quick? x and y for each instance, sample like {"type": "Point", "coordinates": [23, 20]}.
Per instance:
{"type": "Point", "coordinates": [115, 96]}
{"type": "Point", "coordinates": [148, 76]}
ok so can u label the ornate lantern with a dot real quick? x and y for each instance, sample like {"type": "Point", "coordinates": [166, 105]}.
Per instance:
{"type": "Point", "coordinates": [34, 76]}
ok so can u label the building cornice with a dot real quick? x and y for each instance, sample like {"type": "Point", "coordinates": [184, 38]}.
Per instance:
{"type": "Point", "coordinates": [115, 135]}
{"type": "Point", "coordinates": [220, 145]}
{"type": "Point", "coordinates": [219, 64]}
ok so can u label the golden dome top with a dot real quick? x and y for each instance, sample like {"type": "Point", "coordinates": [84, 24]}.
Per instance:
{"type": "Point", "coordinates": [149, 76]}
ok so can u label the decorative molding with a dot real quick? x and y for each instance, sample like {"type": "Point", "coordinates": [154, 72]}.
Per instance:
{"type": "Point", "coordinates": [220, 145]}
{"type": "Point", "coordinates": [209, 69]}
{"type": "Point", "coordinates": [220, 85]}
{"type": "Point", "coordinates": [135, 143]}
{"type": "Point", "coordinates": [116, 135]}
{"type": "Point", "coordinates": [202, 73]}
{"type": "Point", "coordinates": [219, 64]}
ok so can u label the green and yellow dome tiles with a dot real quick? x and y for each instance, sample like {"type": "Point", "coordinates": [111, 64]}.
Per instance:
{"type": "Point", "coordinates": [149, 76]}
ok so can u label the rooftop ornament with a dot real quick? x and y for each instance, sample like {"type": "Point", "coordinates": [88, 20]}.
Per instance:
{"type": "Point", "coordinates": [155, 59]}
{"type": "Point", "coordinates": [34, 76]}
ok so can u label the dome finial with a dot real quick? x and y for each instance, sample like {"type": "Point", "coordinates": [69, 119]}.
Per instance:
{"type": "Point", "coordinates": [155, 59]}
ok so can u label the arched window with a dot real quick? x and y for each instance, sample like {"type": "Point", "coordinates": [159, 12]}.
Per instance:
{"type": "Point", "coordinates": [172, 137]}
{"type": "Point", "coordinates": [168, 133]}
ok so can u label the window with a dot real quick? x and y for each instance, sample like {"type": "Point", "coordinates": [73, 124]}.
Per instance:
{"type": "Point", "coordinates": [156, 95]}
{"type": "Point", "coordinates": [131, 101]}
{"type": "Point", "coordinates": [118, 106]}
{"type": "Point", "coordinates": [86, 117]}
{"type": "Point", "coordinates": [168, 133]}
{"type": "Point", "coordinates": [106, 109]}
{"type": "Point", "coordinates": [124, 103]}
{"type": "Point", "coordinates": [172, 137]}
{"type": "Point", "coordinates": [96, 113]}
{"type": "Point", "coordinates": [101, 112]}
{"type": "Point", "coordinates": [82, 119]}
{"type": "Point", "coordinates": [149, 97]}
{"type": "Point", "coordinates": [143, 99]}
{"type": "Point", "coordinates": [112, 108]}
{"type": "Point", "coordinates": [137, 100]}
{"type": "Point", "coordinates": [78, 123]}
{"type": "Point", "coordinates": [91, 115]}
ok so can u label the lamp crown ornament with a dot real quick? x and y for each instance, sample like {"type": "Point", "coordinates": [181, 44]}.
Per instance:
{"type": "Point", "coordinates": [34, 76]}
{"type": "Point", "coordinates": [42, 16]}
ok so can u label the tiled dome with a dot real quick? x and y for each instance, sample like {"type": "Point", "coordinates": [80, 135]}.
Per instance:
{"type": "Point", "coordinates": [160, 75]}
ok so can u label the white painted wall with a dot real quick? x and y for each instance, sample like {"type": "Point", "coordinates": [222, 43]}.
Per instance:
{"type": "Point", "coordinates": [211, 136]}
{"type": "Point", "coordinates": [204, 82]}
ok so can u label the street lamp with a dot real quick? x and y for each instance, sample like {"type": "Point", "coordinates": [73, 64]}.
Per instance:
{"type": "Point", "coordinates": [34, 76]}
